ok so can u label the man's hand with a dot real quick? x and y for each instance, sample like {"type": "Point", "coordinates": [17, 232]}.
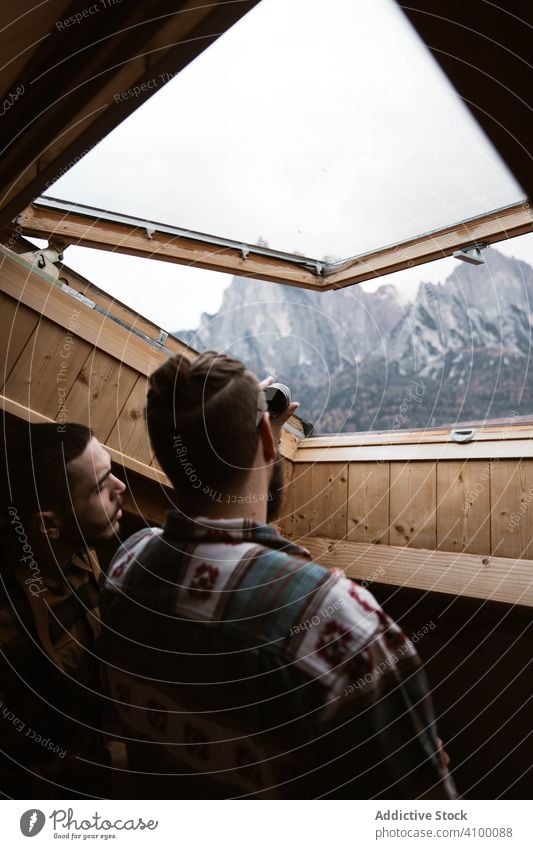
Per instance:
{"type": "Point", "coordinates": [280, 420]}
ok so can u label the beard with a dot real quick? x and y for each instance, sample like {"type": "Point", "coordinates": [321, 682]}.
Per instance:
{"type": "Point", "coordinates": [276, 492]}
{"type": "Point", "coordinates": [86, 533]}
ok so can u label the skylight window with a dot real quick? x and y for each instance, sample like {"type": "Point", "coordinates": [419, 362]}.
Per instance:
{"type": "Point", "coordinates": [321, 129]}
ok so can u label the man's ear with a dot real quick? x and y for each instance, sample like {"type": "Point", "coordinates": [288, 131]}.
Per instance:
{"type": "Point", "coordinates": [268, 440]}
{"type": "Point", "coordinates": [48, 524]}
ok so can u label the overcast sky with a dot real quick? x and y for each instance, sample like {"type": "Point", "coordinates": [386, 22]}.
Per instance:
{"type": "Point", "coordinates": [323, 128]}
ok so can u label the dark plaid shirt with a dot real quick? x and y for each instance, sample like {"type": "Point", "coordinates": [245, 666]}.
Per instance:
{"type": "Point", "coordinates": [239, 668]}
{"type": "Point", "coordinates": [50, 703]}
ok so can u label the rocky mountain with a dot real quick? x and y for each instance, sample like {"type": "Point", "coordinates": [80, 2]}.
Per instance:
{"type": "Point", "coordinates": [364, 361]}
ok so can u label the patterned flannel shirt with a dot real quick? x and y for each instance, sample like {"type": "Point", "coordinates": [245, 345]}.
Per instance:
{"type": "Point", "coordinates": [51, 707]}
{"type": "Point", "coordinates": [239, 668]}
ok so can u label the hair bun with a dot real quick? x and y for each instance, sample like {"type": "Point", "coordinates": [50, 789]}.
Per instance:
{"type": "Point", "coordinates": [168, 381]}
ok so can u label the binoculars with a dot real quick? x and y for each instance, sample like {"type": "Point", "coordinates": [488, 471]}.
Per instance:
{"type": "Point", "coordinates": [278, 398]}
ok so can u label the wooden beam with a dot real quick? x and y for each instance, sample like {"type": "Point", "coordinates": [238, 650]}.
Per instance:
{"type": "Point", "coordinates": [28, 415]}
{"type": "Point", "coordinates": [29, 286]}
{"type": "Point", "coordinates": [405, 452]}
{"type": "Point", "coordinates": [503, 579]}
{"type": "Point", "coordinates": [89, 231]}
{"type": "Point", "coordinates": [492, 227]}
{"type": "Point", "coordinates": [120, 310]}
{"type": "Point", "coordinates": [16, 243]}
{"type": "Point", "coordinates": [520, 427]}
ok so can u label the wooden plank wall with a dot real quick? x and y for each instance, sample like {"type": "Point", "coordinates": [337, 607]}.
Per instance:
{"type": "Point", "coordinates": [471, 506]}
{"type": "Point", "coordinates": [62, 360]}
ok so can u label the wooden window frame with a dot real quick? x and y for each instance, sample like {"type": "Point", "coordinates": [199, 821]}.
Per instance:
{"type": "Point", "coordinates": [72, 224]}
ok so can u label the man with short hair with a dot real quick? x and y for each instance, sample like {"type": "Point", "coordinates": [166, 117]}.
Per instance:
{"type": "Point", "coordinates": [239, 667]}
{"type": "Point", "coordinates": [59, 498]}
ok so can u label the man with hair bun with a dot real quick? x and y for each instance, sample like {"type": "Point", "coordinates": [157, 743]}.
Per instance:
{"type": "Point", "coordinates": [238, 666]}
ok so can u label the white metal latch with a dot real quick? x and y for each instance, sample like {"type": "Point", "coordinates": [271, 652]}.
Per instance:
{"type": "Point", "coordinates": [462, 436]}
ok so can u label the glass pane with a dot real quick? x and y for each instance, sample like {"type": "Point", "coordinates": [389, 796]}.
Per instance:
{"type": "Point", "coordinates": [325, 129]}
{"type": "Point", "coordinates": [398, 356]}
